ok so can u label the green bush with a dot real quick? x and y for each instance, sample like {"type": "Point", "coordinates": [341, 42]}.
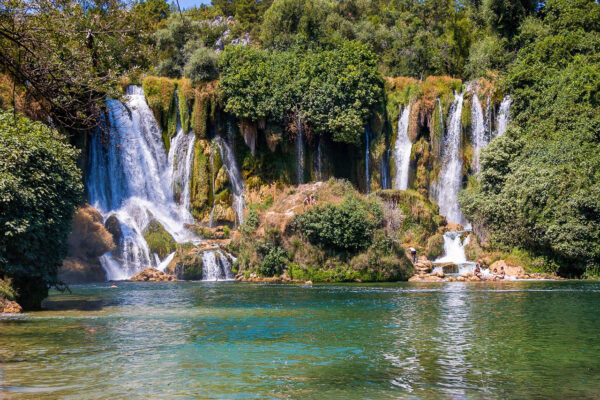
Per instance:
{"type": "Point", "coordinates": [274, 260]}
{"type": "Point", "coordinates": [345, 227]}
{"type": "Point", "coordinates": [435, 246]}
{"type": "Point", "coordinates": [251, 223]}
{"type": "Point", "coordinates": [201, 66]}
{"type": "Point", "coordinates": [40, 187]}
{"type": "Point", "coordinates": [6, 290]}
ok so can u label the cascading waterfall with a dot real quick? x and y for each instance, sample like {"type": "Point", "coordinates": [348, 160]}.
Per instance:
{"type": "Point", "coordinates": [503, 116]}
{"type": "Point", "coordinates": [216, 266]}
{"type": "Point", "coordinates": [450, 181]}
{"type": "Point", "coordinates": [133, 178]}
{"type": "Point", "coordinates": [300, 150]}
{"type": "Point", "coordinates": [454, 252]}
{"type": "Point", "coordinates": [402, 149]}
{"type": "Point", "coordinates": [479, 137]}
{"type": "Point", "coordinates": [235, 178]}
{"type": "Point", "coordinates": [212, 185]}
{"type": "Point", "coordinates": [367, 157]}
{"type": "Point", "coordinates": [181, 153]}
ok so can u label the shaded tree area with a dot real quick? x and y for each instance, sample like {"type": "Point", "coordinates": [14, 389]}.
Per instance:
{"type": "Point", "coordinates": [539, 187]}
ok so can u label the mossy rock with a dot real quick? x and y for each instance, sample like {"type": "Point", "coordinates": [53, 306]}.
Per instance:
{"type": "Point", "coordinates": [189, 267]}
{"type": "Point", "coordinates": [435, 246]}
{"type": "Point", "coordinates": [158, 239]}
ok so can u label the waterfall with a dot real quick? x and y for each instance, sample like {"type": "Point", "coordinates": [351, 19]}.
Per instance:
{"type": "Point", "coordinates": [212, 186]}
{"type": "Point", "coordinates": [181, 153]}
{"type": "Point", "coordinates": [133, 178]}
{"type": "Point", "coordinates": [300, 150]}
{"type": "Point", "coordinates": [450, 181]}
{"type": "Point", "coordinates": [216, 266]}
{"type": "Point", "coordinates": [385, 170]}
{"type": "Point", "coordinates": [402, 149]}
{"type": "Point", "coordinates": [367, 156]}
{"type": "Point", "coordinates": [503, 116]}
{"type": "Point", "coordinates": [454, 248]}
{"type": "Point", "coordinates": [235, 178]}
{"type": "Point", "coordinates": [478, 131]}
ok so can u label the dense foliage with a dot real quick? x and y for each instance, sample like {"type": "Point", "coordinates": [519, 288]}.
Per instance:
{"type": "Point", "coordinates": [328, 92]}
{"type": "Point", "coordinates": [40, 186]}
{"type": "Point", "coordinates": [539, 187]}
{"type": "Point", "coordinates": [345, 227]}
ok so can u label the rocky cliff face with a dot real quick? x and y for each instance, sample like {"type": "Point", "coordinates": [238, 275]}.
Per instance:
{"type": "Point", "coordinates": [88, 241]}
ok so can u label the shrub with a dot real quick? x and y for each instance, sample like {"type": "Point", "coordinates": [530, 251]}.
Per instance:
{"type": "Point", "coordinates": [251, 223]}
{"type": "Point", "coordinates": [435, 246]}
{"type": "Point", "coordinates": [40, 186]}
{"type": "Point", "coordinates": [274, 260]}
{"type": "Point", "coordinates": [344, 227]}
{"type": "Point", "coordinates": [201, 66]}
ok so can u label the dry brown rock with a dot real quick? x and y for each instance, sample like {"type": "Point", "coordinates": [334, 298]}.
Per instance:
{"type": "Point", "coordinates": [152, 275]}
{"type": "Point", "coordinates": [11, 307]}
{"type": "Point", "coordinates": [510, 270]}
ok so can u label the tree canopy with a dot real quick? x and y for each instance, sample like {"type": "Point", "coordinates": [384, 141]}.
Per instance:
{"type": "Point", "coordinates": [40, 187]}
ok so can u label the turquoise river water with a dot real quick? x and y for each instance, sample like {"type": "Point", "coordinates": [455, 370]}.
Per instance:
{"type": "Point", "coordinates": [525, 340]}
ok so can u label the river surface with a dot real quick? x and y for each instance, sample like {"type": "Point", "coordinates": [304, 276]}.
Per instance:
{"type": "Point", "coordinates": [226, 340]}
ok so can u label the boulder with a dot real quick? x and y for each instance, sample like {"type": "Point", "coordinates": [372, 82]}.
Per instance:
{"type": "Point", "coordinates": [151, 274]}
{"type": "Point", "coordinates": [10, 307]}
{"type": "Point", "coordinates": [89, 239]}
{"type": "Point", "coordinates": [448, 268]}
{"type": "Point", "coordinates": [510, 270]}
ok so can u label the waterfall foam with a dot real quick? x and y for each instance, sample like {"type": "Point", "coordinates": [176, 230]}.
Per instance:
{"type": "Point", "coordinates": [133, 178]}
{"type": "Point", "coordinates": [402, 149]}
{"type": "Point", "coordinates": [235, 178]}
{"type": "Point", "coordinates": [450, 181]}
{"type": "Point", "coordinates": [503, 116]}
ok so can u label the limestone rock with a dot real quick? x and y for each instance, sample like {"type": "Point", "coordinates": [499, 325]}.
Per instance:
{"type": "Point", "coordinates": [510, 270]}
{"type": "Point", "coordinates": [152, 275]}
{"type": "Point", "coordinates": [10, 307]}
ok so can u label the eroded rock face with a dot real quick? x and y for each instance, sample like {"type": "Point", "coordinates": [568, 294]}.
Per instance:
{"type": "Point", "coordinates": [151, 274]}
{"type": "Point", "coordinates": [89, 239]}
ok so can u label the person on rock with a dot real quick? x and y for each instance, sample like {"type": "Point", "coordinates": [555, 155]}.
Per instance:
{"type": "Point", "coordinates": [413, 253]}
{"type": "Point", "coordinates": [502, 273]}
{"type": "Point", "coordinates": [477, 271]}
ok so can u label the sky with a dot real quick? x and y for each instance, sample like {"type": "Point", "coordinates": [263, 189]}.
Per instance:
{"type": "Point", "coordinates": [191, 3]}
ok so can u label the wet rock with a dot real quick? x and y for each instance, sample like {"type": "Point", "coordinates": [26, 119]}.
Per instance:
{"type": "Point", "coordinates": [152, 275]}
{"type": "Point", "coordinates": [448, 268]}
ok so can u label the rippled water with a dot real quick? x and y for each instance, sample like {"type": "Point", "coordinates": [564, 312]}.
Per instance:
{"type": "Point", "coordinates": [244, 341]}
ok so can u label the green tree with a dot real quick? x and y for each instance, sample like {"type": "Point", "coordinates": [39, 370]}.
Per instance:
{"type": "Point", "coordinates": [40, 187]}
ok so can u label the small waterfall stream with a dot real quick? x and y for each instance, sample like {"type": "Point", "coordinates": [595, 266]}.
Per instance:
{"type": "Point", "coordinates": [300, 150]}
{"type": "Point", "coordinates": [402, 149]}
{"type": "Point", "coordinates": [450, 181]}
{"type": "Point", "coordinates": [133, 178]}
{"type": "Point", "coordinates": [235, 178]}
{"type": "Point", "coordinates": [216, 266]}
{"type": "Point", "coordinates": [503, 116]}
{"type": "Point", "coordinates": [479, 137]}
